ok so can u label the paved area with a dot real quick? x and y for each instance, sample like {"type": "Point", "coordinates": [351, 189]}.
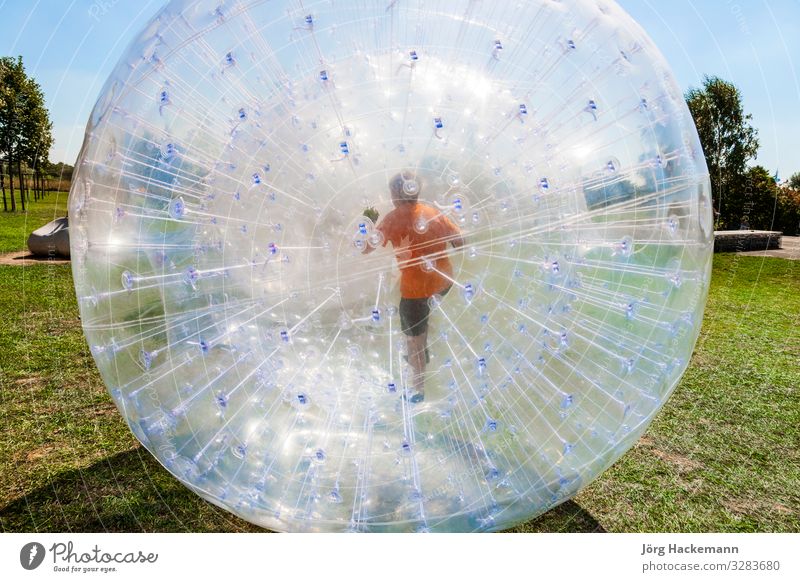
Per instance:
{"type": "Point", "coordinates": [25, 258]}
{"type": "Point", "coordinates": [790, 249]}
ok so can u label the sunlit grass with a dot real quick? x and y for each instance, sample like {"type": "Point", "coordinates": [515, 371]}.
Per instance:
{"type": "Point", "coordinates": [16, 226]}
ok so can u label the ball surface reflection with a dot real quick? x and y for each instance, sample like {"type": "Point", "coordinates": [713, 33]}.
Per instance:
{"type": "Point", "coordinates": [388, 266]}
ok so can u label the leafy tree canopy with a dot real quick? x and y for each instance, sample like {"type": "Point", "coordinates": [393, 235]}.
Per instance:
{"type": "Point", "coordinates": [25, 127]}
{"type": "Point", "coordinates": [729, 141]}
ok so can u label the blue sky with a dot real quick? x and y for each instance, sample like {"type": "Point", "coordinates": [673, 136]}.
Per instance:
{"type": "Point", "coordinates": [70, 47]}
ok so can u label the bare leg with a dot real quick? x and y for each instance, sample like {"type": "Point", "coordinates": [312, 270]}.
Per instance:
{"type": "Point", "coordinates": [416, 358]}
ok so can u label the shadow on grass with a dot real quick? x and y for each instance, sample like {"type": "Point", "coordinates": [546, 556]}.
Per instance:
{"type": "Point", "coordinates": [131, 492]}
{"type": "Point", "coordinates": [127, 492]}
{"type": "Point", "coordinates": [569, 517]}
{"type": "Point", "coordinates": [22, 258]}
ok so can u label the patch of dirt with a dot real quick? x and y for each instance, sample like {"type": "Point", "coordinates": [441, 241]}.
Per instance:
{"type": "Point", "coordinates": [26, 259]}
{"type": "Point", "coordinates": [739, 506]}
{"type": "Point", "coordinates": [681, 463]}
{"type": "Point", "coordinates": [27, 381]}
{"type": "Point", "coordinates": [39, 453]}
{"type": "Point", "coordinates": [703, 360]}
{"type": "Point", "coordinates": [108, 409]}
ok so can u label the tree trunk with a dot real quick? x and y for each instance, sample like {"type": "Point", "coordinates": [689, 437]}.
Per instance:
{"type": "Point", "coordinates": [3, 186]}
{"type": "Point", "coordinates": [11, 180]}
{"type": "Point", "coordinates": [21, 184]}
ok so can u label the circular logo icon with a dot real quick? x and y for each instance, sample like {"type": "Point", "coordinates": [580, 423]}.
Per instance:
{"type": "Point", "coordinates": [31, 555]}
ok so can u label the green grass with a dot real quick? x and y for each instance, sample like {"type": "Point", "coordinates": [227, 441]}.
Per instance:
{"type": "Point", "coordinates": [723, 454]}
{"type": "Point", "coordinates": [16, 226]}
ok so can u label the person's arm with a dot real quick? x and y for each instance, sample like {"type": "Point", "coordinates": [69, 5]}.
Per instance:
{"type": "Point", "coordinates": [381, 228]}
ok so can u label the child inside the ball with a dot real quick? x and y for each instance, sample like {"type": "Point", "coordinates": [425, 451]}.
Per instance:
{"type": "Point", "coordinates": [419, 234]}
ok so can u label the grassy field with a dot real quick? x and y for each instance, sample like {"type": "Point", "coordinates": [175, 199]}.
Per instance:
{"type": "Point", "coordinates": [16, 226]}
{"type": "Point", "coordinates": [723, 454]}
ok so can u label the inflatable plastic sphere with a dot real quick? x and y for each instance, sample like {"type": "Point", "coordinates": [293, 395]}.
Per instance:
{"type": "Point", "coordinates": [390, 266]}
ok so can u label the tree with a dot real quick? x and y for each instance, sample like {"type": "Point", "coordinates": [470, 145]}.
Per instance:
{"type": "Point", "coordinates": [788, 214]}
{"type": "Point", "coordinates": [728, 140]}
{"type": "Point", "coordinates": [752, 200]}
{"type": "Point", "coordinates": [25, 127]}
{"type": "Point", "coordinates": [3, 185]}
{"type": "Point", "coordinates": [37, 133]}
{"type": "Point", "coordinates": [794, 181]}
{"type": "Point", "coordinates": [58, 175]}
{"type": "Point", "coordinates": [11, 82]}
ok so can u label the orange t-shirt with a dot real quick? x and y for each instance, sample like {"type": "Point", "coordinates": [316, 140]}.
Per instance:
{"type": "Point", "coordinates": [398, 228]}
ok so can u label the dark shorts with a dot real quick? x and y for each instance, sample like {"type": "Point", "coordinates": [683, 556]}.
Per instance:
{"type": "Point", "coordinates": [414, 314]}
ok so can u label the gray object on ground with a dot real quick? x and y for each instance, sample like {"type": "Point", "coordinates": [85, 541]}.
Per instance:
{"type": "Point", "coordinates": [51, 239]}
{"type": "Point", "coordinates": [736, 241]}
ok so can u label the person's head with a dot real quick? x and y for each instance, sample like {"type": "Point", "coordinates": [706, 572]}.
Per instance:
{"type": "Point", "coordinates": [405, 188]}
